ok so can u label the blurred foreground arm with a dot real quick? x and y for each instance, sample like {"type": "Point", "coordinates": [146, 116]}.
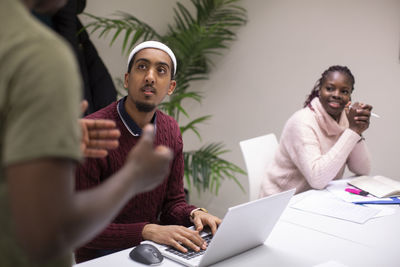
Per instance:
{"type": "Point", "coordinates": [59, 219]}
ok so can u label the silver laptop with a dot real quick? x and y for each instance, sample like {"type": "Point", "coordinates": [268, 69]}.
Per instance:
{"type": "Point", "coordinates": [244, 227]}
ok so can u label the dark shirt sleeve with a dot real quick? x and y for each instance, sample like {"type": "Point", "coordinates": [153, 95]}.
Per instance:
{"type": "Point", "coordinates": [175, 209]}
{"type": "Point", "coordinates": [116, 235]}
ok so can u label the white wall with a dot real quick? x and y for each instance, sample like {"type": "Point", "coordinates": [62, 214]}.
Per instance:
{"type": "Point", "coordinates": [269, 70]}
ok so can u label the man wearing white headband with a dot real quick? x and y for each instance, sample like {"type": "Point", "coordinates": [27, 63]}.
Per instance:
{"type": "Point", "coordinates": [160, 215]}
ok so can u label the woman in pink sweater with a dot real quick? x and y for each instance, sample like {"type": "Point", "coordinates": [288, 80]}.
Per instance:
{"type": "Point", "coordinates": [319, 140]}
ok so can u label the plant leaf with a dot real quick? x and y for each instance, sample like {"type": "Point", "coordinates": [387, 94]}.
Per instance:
{"type": "Point", "coordinates": [213, 169]}
{"type": "Point", "coordinates": [194, 37]}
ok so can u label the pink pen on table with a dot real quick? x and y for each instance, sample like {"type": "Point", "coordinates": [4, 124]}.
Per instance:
{"type": "Point", "coordinates": [356, 191]}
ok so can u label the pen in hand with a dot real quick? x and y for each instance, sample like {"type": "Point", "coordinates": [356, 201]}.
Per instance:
{"type": "Point", "coordinates": [372, 114]}
{"type": "Point", "coordinates": [375, 115]}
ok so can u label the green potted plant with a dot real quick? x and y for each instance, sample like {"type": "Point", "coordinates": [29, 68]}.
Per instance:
{"type": "Point", "coordinates": [193, 39]}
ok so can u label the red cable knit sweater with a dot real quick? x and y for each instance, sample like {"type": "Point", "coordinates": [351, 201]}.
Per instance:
{"type": "Point", "coordinates": [164, 205]}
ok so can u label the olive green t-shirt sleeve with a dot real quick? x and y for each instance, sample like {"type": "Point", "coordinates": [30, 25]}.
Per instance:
{"type": "Point", "coordinates": [44, 104]}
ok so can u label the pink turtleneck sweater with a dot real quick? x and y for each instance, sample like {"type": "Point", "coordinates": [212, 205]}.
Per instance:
{"type": "Point", "coordinates": [314, 150]}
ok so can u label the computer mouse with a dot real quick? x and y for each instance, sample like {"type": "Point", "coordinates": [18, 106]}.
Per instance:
{"type": "Point", "coordinates": [146, 254]}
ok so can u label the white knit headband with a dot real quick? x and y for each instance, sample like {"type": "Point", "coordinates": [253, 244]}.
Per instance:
{"type": "Point", "coordinates": [153, 44]}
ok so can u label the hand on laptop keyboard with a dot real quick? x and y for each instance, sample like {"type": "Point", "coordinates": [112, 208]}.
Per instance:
{"type": "Point", "coordinates": [202, 219]}
{"type": "Point", "coordinates": [179, 237]}
{"type": "Point", "coordinates": [190, 254]}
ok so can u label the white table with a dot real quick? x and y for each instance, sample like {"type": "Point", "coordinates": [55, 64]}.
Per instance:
{"type": "Point", "coordinates": [381, 235]}
{"type": "Point", "coordinates": [306, 239]}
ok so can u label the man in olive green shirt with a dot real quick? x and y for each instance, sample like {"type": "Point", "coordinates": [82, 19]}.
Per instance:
{"type": "Point", "coordinates": [42, 219]}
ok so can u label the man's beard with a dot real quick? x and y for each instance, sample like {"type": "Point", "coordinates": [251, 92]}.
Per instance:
{"type": "Point", "coordinates": [144, 107]}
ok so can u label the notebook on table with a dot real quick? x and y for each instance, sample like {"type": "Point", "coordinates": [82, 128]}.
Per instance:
{"type": "Point", "coordinates": [244, 227]}
{"type": "Point", "coordinates": [379, 186]}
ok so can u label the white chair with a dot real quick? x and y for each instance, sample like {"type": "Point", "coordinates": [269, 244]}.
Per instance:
{"type": "Point", "coordinates": [258, 153]}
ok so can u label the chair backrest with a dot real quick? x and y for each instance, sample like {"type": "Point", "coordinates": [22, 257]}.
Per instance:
{"type": "Point", "coordinates": [258, 153]}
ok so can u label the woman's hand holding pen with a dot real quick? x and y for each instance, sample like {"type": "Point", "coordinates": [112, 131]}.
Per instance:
{"type": "Point", "coordinates": [359, 115]}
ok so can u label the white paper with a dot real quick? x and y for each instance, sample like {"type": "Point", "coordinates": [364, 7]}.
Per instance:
{"type": "Point", "coordinates": [384, 210]}
{"type": "Point", "coordinates": [330, 264]}
{"type": "Point", "coordinates": [330, 206]}
{"type": "Point", "coordinates": [337, 188]}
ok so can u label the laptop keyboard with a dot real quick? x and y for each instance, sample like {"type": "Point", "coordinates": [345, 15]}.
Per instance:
{"type": "Point", "coordinates": [191, 253]}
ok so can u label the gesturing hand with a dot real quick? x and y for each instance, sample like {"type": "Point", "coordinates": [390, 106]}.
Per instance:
{"type": "Point", "coordinates": [98, 136]}
{"type": "Point", "coordinates": [176, 236]}
{"type": "Point", "coordinates": [148, 165]}
{"type": "Point", "coordinates": [358, 115]}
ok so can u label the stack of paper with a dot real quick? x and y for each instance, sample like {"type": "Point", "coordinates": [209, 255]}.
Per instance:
{"type": "Point", "coordinates": [329, 206]}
